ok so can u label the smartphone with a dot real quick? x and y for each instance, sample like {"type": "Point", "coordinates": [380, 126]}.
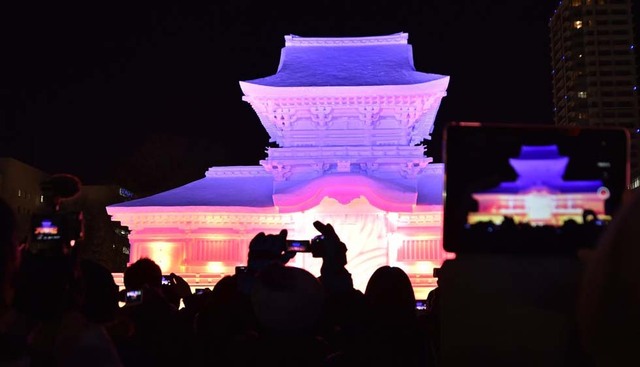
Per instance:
{"type": "Point", "coordinates": [421, 305]}
{"type": "Point", "coordinates": [241, 269]}
{"type": "Point", "coordinates": [166, 280]}
{"type": "Point", "coordinates": [200, 290]}
{"type": "Point", "coordinates": [133, 297]}
{"type": "Point", "coordinates": [512, 188]}
{"type": "Point", "coordinates": [298, 245]}
{"type": "Point", "coordinates": [46, 228]}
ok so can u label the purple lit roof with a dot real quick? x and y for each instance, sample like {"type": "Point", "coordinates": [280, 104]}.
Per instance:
{"type": "Point", "coordinates": [244, 191]}
{"type": "Point", "coordinates": [543, 166]}
{"type": "Point", "coordinates": [362, 61]}
{"type": "Point", "coordinates": [256, 192]}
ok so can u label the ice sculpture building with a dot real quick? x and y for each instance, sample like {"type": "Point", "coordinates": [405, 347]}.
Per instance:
{"type": "Point", "coordinates": [348, 116]}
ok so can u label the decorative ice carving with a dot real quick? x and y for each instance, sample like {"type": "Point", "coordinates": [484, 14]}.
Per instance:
{"type": "Point", "coordinates": [407, 115]}
{"type": "Point", "coordinates": [320, 167]}
{"type": "Point", "coordinates": [343, 166]}
{"type": "Point", "coordinates": [282, 117]}
{"type": "Point", "coordinates": [413, 168]}
{"type": "Point", "coordinates": [369, 115]}
{"type": "Point", "coordinates": [280, 171]}
{"type": "Point", "coordinates": [369, 166]}
{"type": "Point", "coordinates": [321, 115]}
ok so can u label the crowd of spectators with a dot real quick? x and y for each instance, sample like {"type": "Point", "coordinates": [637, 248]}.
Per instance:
{"type": "Point", "coordinates": [57, 310]}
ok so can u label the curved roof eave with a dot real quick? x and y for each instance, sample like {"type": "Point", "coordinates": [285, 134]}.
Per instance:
{"type": "Point", "coordinates": [345, 187]}
{"type": "Point", "coordinates": [242, 191]}
{"type": "Point", "coordinates": [116, 211]}
{"type": "Point", "coordinates": [252, 90]}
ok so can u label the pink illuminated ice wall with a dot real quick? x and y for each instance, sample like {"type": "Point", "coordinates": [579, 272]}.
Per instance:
{"type": "Point", "coordinates": [349, 117]}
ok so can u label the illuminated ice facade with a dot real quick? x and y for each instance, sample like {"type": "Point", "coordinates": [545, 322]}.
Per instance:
{"type": "Point", "coordinates": [539, 195]}
{"type": "Point", "coordinates": [348, 116]}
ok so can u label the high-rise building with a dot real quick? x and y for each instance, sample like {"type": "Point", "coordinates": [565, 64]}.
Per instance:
{"type": "Point", "coordinates": [594, 70]}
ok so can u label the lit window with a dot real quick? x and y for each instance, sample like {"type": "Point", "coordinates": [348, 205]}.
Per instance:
{"type": "Point", "coordinates": [42, 198]}
{"type": "Point", "coordinates": [19, 193]}
{"type": "Point", "coordinates": [576, 2]}
{"type": "Point", "coordinates": [582, 94]}
{"type": "Point", "coordinates": [577, 24]}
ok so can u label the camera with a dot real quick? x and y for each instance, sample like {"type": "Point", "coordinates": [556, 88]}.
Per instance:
{"type": "Point", "coordinates": [298, 245]}
{"type": "Point", "coordinates": [55, 230]}
{"type": "Point", "coordinates": [133, 297]}
{"type": "Point", "coordinates": [166, 280]}
{"type": "Point", "coordinates": [55, 233]}
{"type": "Point", "coordinates": [315, 246]}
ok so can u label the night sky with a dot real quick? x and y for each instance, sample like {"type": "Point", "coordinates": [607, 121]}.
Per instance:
{"type": "Point", "coordinates": [89, 83]}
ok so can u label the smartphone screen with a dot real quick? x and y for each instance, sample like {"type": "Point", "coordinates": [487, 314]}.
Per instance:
{"type": "Point", "coordinates": [530, 188]}
{"type": "Point", "coordinates": [166, 280]}
{"type": "Point", "coordinates": [134, 297]}
{"type": "Point", "coordinates": [298, 245]}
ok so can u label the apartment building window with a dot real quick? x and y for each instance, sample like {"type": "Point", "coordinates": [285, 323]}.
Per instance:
{"type": "Point", "coordinates": [576, 2]}
{"type": "Point", "coordinates": [19, 193]}
{"type": "Point", "coordinates": [577, 24]}
{"type": "Point", "coordinates": [582, 94]}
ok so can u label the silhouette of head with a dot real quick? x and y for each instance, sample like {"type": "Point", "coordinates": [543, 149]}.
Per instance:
{"type": "Point", "coordinates": [287, 300]}
{"type": "Point", "coordinates": [100, 292]}
{"type": "Point", "coordinates": [143, 272]}
{"type": "Point", "coordinates": [390, 298]}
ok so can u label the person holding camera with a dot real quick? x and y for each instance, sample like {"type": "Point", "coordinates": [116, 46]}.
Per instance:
{"type": "Point", "coordinates": [152, 331]}
{"type": "Point", "coordinates": [42, 317]}
{"type": "Point", "coordinates": [267, 302]}
{"type": "Point", "coordinates": [226, 325]}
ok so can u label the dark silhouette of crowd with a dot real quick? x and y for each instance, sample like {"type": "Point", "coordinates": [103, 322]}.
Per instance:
{"type": "Point", "coordinates": [512, 237]}
{"type": "Point", "coordinates": [58, 310]}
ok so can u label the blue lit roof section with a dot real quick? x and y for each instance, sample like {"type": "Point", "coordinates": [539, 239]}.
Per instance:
{"type": "Point", "coordinates": [352, 62]}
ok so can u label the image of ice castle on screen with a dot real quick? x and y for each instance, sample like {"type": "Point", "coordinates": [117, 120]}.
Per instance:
{"type": "Point", "coordinates": [540, 195]}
